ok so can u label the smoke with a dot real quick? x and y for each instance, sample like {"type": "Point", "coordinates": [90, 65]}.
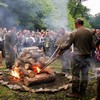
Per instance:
{"type": "Point", "coordinates": [58, 18]}
{"type": "Point", "coordinates": [7, 17]}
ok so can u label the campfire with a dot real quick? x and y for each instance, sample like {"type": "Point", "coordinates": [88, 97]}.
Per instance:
{"type": "Point", "coordinates": [30, 69]}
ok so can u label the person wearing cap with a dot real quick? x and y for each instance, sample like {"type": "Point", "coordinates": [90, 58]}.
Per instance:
{"type": "Point", "coordinates": [82, 40]}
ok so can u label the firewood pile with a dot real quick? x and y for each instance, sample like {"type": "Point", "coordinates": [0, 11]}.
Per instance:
{"type": "Point", "coordinates": [29, 67]}
{"type": "Point", "coordinates": [29, 70]}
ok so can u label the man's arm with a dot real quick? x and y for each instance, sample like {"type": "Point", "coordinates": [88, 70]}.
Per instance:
{"type": "Point", "coordinates": [67, 44]}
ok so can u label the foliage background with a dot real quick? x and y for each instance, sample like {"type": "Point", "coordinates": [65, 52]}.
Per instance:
{"type": "Point", "coordinates": [43, 14]}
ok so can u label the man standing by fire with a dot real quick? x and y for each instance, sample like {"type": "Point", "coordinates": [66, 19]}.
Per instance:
{"type": "Point", "coordinates": [10, 47]}
{"type": "Point", "coordinates": [82, 40]}
{"type": "Point", "coordinates": [66, 56]}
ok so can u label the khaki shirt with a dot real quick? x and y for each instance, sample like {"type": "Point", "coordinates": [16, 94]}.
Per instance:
{"type": "Point", "coordinates": [82, 39]}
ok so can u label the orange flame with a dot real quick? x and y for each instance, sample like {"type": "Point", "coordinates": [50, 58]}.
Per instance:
{"type": "Point", "coordinates": [15, 72]}
{"type": "Point", "coordinates": [36, 69]}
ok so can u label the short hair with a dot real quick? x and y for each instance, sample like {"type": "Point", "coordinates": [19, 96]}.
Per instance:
{"type": "Point", "coordinates": [79, 21]}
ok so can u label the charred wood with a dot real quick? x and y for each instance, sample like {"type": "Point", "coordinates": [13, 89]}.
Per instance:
{"type": "Point", "coordinates": [43, 77]}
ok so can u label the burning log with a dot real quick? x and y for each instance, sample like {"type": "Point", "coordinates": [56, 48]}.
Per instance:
{"type": "Point", "coordinates": [25, 72]}
{"type": "Point", "coordinates": [43, 77]}
{"type": "Point", "coordinates": [12, 79]}
{"type": "Point", "coordinates": [48, 70]}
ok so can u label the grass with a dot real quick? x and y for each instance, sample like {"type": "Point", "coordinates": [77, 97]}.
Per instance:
{"type": "Point", "coordinates": [8, 94]}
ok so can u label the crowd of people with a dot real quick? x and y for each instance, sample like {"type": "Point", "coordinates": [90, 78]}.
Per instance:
{"type": "Point", "coordinates": [12, 41]}
{"type": "Point", "coordinates": [45, 40]}
{"type": "Point", "coordinates": [96, 36]}
{"type": "Point", "coordinates": [26, 38]}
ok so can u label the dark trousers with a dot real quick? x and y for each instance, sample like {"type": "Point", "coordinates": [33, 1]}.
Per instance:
{"type": "Point", "coordinates": [80, 65]}
{"type": "Point", "coordinates": [10, 58]}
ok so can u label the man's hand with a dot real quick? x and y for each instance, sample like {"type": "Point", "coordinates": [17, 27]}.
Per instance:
{"type": "Point", "coordinates": [58, 53]}
{"type": "Point", "coordinates": [63, 45]}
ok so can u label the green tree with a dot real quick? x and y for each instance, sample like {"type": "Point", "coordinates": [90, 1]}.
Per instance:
{"type": "Point", "coordinates": [76, 9]}
{"type": "Point", "coordinates": [71, 22]}
{"type": "Point", "coordinates": [26, 13]}
{"type": "Point", "coordinates": [95, 21]}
